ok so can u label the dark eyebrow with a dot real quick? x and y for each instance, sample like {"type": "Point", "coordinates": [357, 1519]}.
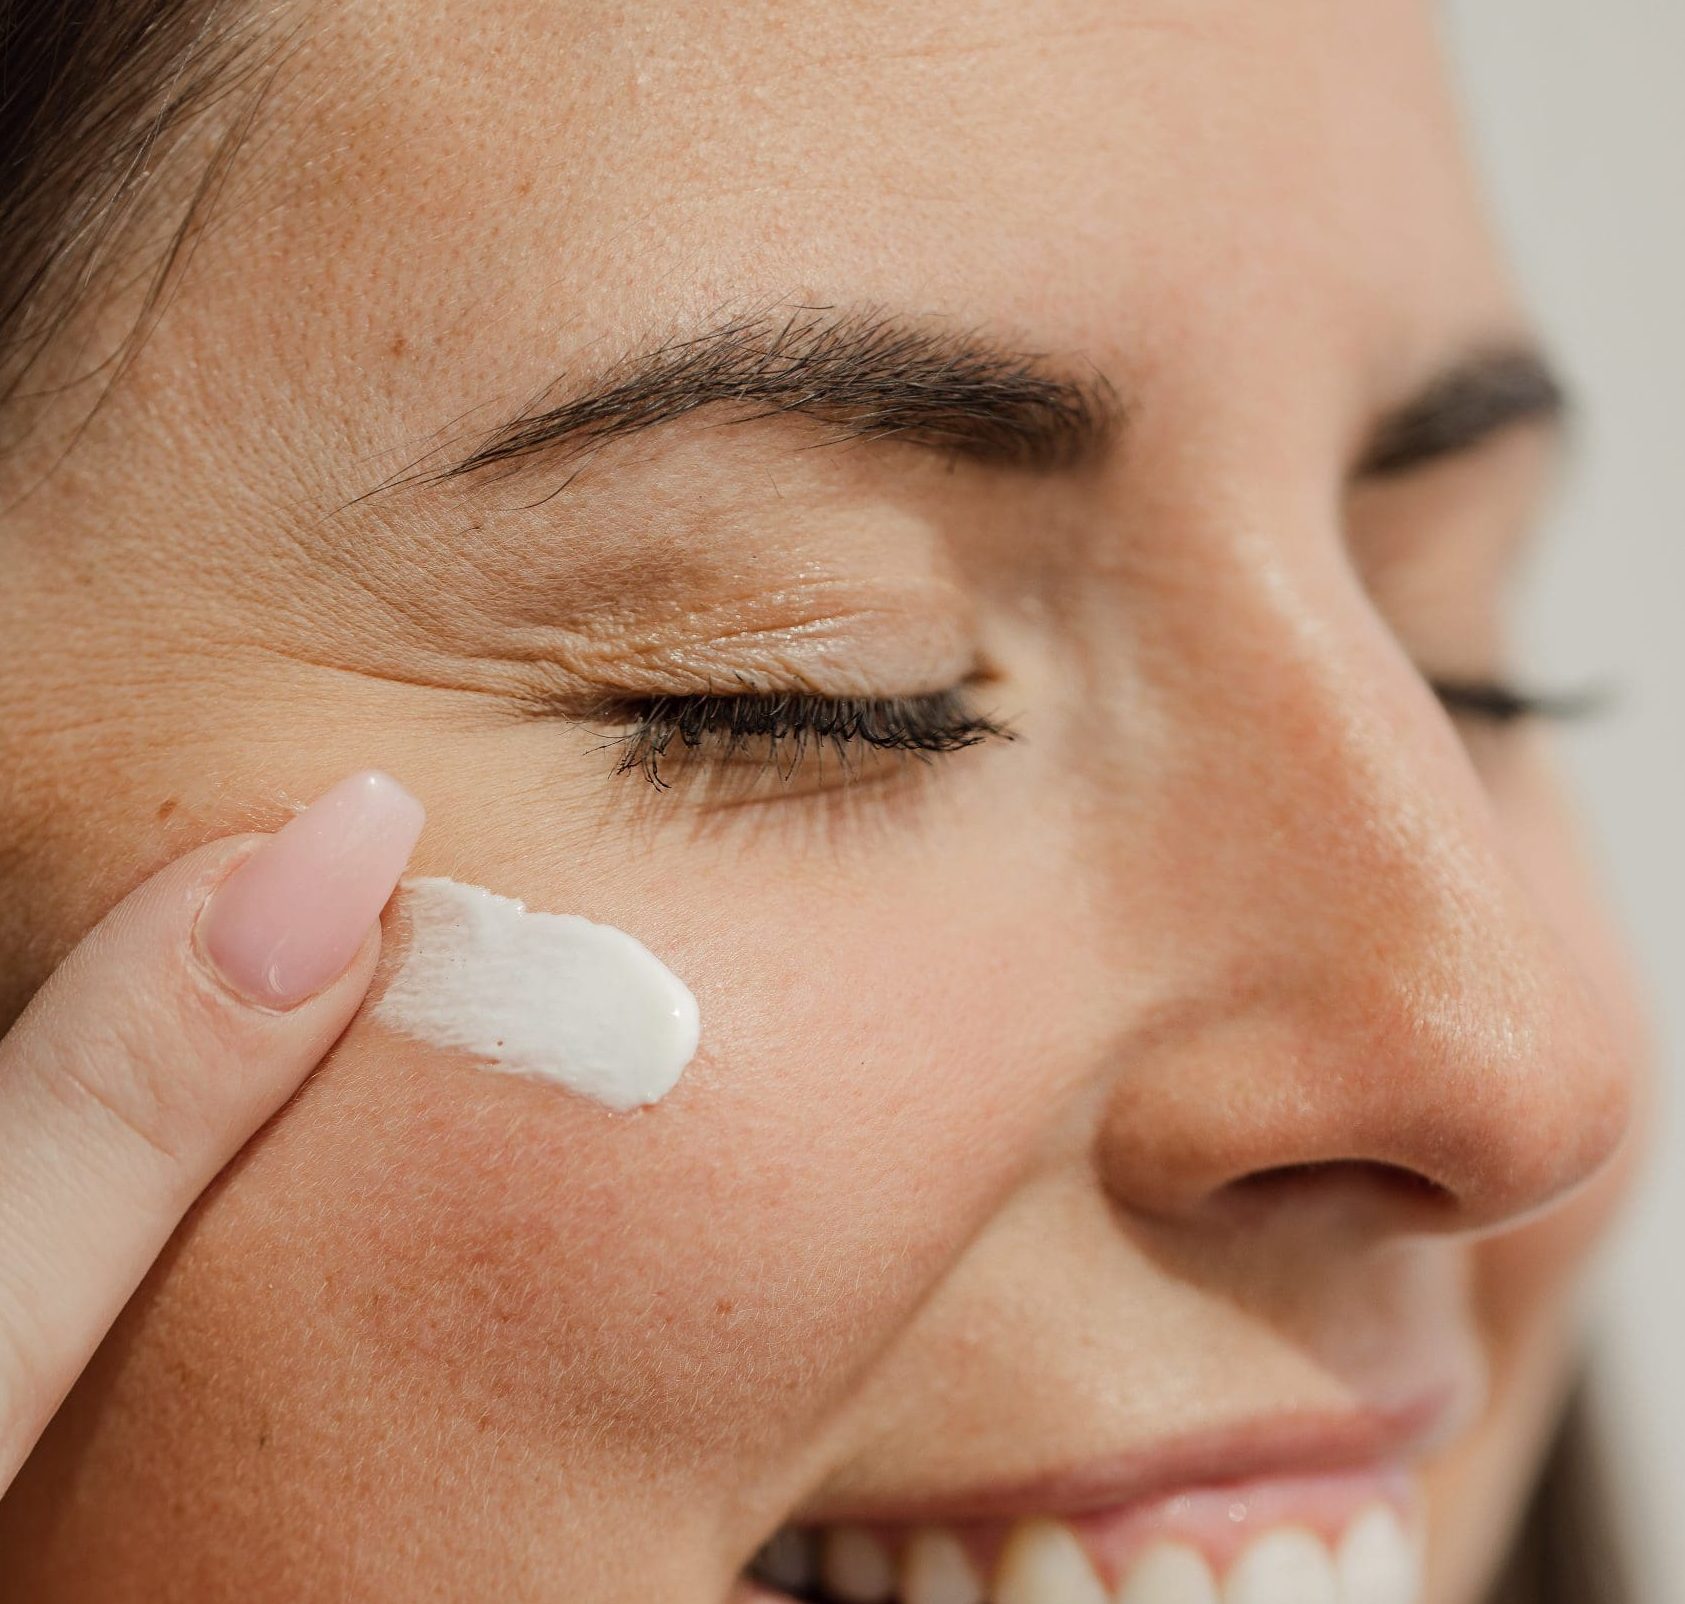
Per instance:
{"type": "Point", "coordinates": [871, 376]}
{"type": "Point", "coordinates": [863, 374]}
{"type": "Point", "coordinates": [1465, 404]}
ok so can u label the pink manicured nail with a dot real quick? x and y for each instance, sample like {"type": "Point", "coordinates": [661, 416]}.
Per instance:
{"type": "Point", "coordinates": [292, 916]}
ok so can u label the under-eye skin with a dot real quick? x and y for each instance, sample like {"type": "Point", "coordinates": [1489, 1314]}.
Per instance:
{"type": "Point", "coordinates": [784, 729]}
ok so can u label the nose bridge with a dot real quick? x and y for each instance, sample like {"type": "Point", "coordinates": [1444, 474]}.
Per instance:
{"type": "Point", "coordinates": [1370, 981]}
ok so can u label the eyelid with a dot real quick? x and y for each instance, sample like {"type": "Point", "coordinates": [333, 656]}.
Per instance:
{"type": "Point", "coordinates": [787, 727]}
{"type": "Point", "coordinates": [1503, 703]}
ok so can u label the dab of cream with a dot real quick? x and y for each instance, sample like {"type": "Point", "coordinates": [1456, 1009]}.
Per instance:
{"type": "Point", "coordinates": [550, 995]}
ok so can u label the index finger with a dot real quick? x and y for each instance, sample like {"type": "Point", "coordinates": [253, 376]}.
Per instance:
{"type": "Point", "coordinates": [180, 1023]}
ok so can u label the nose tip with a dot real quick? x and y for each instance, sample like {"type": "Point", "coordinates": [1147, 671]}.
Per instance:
{"type": "Point", "coordinates": [1537, 1110]}
{"type": "Point", "coordinates": [1459, 1076]}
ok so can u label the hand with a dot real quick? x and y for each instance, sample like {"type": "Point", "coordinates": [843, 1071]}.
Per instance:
{"type": "Point", "coordinates": [176, 1027]}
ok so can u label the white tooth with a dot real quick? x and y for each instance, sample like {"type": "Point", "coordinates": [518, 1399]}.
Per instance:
{"type": "Point", "coordinates": [1044, 1564]}
{"type": "Point", "coordinates": [935, 1570]}
{"type": "Point", "coordinates": [1286, 1566]}
{"type": "Point", "coordinates": [856, 1566]}
{"type": "Point", "coordinates": [1169, 1573]}
{"type": "Point", "coordinates": [1376, 1561]}
{"type": "Point", "coordinates": [786, 1559]}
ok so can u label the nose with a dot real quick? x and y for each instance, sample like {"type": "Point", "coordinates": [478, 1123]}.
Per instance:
{"type": "Point", "coordinates": [1372, 989]}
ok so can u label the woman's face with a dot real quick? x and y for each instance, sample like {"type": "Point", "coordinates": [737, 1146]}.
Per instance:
{"type": "Point", "coordinates": [1223, 1077]}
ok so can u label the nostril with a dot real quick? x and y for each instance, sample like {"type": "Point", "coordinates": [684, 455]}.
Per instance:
{"type": "Point", "coordinates": [1343, 1182]}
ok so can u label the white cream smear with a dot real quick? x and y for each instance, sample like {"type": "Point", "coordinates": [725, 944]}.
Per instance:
{"type": "Point", "coordinates": [550, 995]}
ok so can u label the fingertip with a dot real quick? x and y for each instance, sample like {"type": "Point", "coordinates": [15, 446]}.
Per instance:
{"type": "Point", "coordinates": [296, 912]}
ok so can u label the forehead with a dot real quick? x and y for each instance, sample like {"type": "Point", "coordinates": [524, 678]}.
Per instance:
{"type": "Point", "coordinates": [1149, 183]}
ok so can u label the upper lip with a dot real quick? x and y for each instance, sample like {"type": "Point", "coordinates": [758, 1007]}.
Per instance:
{"type": "Point", "coordinates": [1369, 1439]}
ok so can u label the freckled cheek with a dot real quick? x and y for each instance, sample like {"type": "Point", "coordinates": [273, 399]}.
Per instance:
{"type": "Point", "coordinates": [714, 1269]}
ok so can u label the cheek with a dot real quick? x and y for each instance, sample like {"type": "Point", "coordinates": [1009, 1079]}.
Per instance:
{"type": "Point", "coordinates": [697, 1281]}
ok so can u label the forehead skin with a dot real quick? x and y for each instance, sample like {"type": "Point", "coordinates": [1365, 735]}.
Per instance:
{"type": "Point", "coordinates": [455, 202]}
{"type": "Point", "coordinates": [1255, 220]}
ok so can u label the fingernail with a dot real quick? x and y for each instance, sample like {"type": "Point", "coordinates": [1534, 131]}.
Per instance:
{"type": "Point", "coordinates": [291, 918]}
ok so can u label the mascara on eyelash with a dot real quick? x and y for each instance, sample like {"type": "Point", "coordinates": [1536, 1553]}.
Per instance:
{"type": "Point", "coordinates": [788, 726]}
{"type": "Point", "coordinates": [1504, 703]}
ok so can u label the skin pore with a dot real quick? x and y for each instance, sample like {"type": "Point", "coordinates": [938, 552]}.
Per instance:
{"type": "Point", "coordinates": [1206, 1054]}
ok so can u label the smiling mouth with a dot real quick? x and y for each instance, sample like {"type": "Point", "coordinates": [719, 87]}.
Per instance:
{"type": "Point", "coordinates": [1298, 1513]}
{"type": "Point", "coordinates": [1370, 1556]}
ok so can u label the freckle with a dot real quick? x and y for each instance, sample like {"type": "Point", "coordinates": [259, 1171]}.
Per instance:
{"type": "Point", "coordinates": [166, 808]}
{"type": "Point", "coordinates": [724, 1306]}
{"type": "Point", "coordinates": [399, 345]}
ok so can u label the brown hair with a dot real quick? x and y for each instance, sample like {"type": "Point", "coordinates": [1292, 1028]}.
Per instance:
{"type": "Point", "coordinates": [96, 96]}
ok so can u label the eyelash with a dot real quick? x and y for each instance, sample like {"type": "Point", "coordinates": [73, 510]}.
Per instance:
{"type": "Point", "coordinates": [788, 726]}
{"type": "Point", "coordinates": [1499, 703]}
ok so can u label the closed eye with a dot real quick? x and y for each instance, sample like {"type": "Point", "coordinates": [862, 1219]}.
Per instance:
{"type": "Point", "coordinates": [1502, 703]}
{"type": "Point", "coordinates": [783, 729]}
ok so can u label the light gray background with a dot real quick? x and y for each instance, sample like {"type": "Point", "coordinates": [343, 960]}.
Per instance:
{"type": "Point", "coordinates": [1577, 109]}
